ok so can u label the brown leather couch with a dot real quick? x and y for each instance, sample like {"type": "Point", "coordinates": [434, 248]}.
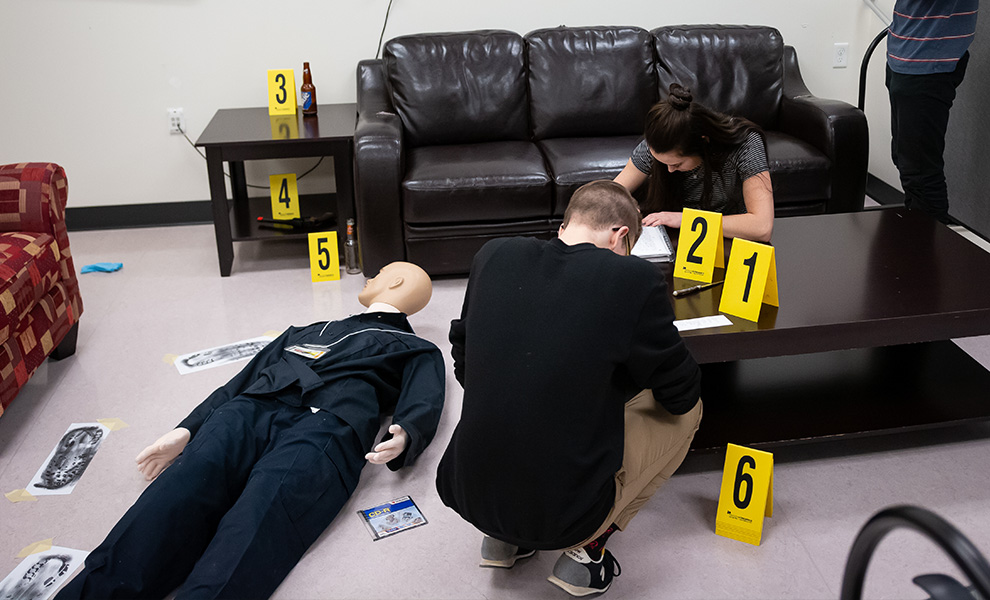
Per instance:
{"type": "Point", "coordinates": [465, 137]}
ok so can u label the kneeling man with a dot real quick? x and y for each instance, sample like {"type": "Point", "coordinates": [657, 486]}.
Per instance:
{"type": "Point", "coordinates": [580, 399]}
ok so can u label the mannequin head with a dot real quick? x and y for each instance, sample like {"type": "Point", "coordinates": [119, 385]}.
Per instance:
{"type": "Point", "coordinates": [400, 284]}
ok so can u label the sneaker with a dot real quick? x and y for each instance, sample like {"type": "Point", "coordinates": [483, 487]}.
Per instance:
{"type": "Point", "coordinates": [499, 554]}
{"type": "Point", "coordinates": [578, 575]}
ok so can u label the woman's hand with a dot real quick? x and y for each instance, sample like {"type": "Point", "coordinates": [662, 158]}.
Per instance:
{"type": "Point", "coordinates": [668, 218]}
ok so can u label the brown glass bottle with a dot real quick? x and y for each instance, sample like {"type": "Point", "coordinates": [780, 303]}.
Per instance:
{"type": "Point", "coordinates": [307, 92]}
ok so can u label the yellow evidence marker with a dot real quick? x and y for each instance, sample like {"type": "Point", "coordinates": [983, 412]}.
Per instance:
{"type": "Point", "coordinates": [750, 280]}
{"type": "Point", "coordinates": [700, 247]}
{"type": "Point", "coordinates": [747, 494]}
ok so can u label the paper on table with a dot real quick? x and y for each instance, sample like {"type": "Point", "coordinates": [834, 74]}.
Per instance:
{"type": "Point", "coordinates": [702, 323]}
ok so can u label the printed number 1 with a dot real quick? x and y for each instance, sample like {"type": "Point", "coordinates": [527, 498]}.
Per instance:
{"type": "Point", "coordinates": [691, 257]}
{"type": "Point", "coordinates": [324, 253]}
{"type": "Point", "coordinates": [744, 478]}
{"type": "Point", "coordinates": [280, 80]}
{"type": "Point", "coordinates": [751, 263]}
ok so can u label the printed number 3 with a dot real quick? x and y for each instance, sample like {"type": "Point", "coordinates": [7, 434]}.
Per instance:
{"type": "Point", "coordinates": [691, 256]}
{"type": "Point", "coordinates": [324, 253]}
{"type": "Point", "coordinates": [280, 80]}
{"type": "Point", "coordinates": [744, 478]}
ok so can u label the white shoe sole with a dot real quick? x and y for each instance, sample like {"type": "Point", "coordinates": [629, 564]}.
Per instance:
{"type": "Point", "coordinates": [507, 563]}
{"type": "Point", "coordinates": [575, 590]}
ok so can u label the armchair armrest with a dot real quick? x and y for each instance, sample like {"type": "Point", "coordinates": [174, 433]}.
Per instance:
{"type": "Point", "coordinates": [45, 191]}
{"type": "Point", "coordinates": [836, 128]}
{"type": "Point", "coordinates": [379, 164]}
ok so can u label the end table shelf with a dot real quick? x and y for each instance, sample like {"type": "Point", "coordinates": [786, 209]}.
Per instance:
{"type": "Point", "coordinates": [235, 135]}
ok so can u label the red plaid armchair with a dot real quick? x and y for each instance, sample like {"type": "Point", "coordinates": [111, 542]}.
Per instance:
{"type": "Point", "coordinates": [39, 296]}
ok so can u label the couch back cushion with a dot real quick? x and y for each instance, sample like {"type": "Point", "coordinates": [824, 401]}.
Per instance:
{"type": "Point", "coordinates": [735, 69]}
{"type": "Point", "coordinates": [590, 81]}
{"type": "Point", "coordinates": [459, 88]}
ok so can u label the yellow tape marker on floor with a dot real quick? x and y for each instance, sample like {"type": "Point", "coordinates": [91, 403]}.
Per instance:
{"type": "Point", "coordinates": [746, 495]}
{"type": "Point", "coordinates": [42, 546]}
{"type": "Point", "coordinates": [20, 495]}
{"type": "Point", "coordinates": [113, 424]}
{"type": "Point", "coordinates": [169, 359]}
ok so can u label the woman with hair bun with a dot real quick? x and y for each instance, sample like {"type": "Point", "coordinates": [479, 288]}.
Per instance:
{"type": "Point", "coordinates": [695, 157]}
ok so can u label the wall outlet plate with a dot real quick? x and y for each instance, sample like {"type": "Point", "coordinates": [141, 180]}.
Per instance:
{"type": "Point", "coordinates": [176, 121]}
{"type": "Point", "coordinates": [840, 55]}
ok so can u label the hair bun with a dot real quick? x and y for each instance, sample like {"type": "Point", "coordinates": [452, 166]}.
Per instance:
{"type": "Point", "coordinates": [679, 97]}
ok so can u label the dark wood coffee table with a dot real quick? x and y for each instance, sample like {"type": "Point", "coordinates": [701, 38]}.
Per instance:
{"type": "Point", "coordinates": [868, 302]}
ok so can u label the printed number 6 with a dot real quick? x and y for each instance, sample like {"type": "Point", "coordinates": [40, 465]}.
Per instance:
{"type": "Point", "coordinates": [280, 80]}
{"type": "Point", "coordinates": [324, 253]}
{"type": "Point", "coordinates": [744, 478]}
{"type": "Point", "coordinates": [691, 257]}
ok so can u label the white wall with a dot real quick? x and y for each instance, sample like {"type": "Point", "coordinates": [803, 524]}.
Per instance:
{"type": "Point", "coordinates": [86, 83]}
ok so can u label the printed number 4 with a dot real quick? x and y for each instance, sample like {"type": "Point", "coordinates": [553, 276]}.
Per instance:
{"type": "Point", "coordinates": [283, 193]}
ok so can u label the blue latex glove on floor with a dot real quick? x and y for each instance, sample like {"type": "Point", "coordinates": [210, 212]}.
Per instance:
{"type": "Point", "coordinates": [103, 267]}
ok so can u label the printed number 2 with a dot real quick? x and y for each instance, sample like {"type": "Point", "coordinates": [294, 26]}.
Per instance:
{"type": "Point", "coordinates": [751, 263]}
{"type": "Point", "coordinates": [691, 257]}
{"type": "Point", "coordinates": [743, 478]}
{"type": "Point", "coordinates": [324, 253]}
{"type": "Point", "coordinates": [280, 80]}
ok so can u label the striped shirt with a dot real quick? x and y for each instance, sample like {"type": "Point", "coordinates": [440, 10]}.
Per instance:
{"type": "Point", "coordinates": [929, 36]}
{"type": "Point", "coordinates": [747, 160]}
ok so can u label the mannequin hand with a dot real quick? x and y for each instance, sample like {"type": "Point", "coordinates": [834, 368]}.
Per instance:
{"type": "Point", "coordinates": [386, 451]}
{"type": "Point", "coordinates": [153, 459]}
{"type": "Point", "coordinates": [670, 219]}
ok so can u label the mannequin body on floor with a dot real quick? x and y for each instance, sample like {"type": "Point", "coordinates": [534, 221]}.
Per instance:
{"type": "Point", "coordinates": [253, 476]}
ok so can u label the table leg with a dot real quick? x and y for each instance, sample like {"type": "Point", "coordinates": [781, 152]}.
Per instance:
{"type": "Point", "coordinates": [221, 210]}
{"type": "Point", "coordinates": [343, 175]}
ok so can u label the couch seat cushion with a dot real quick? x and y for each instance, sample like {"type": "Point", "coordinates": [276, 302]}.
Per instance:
{"type": "Point", "coordinates": [475, 182]}
{"type": "Point", "coordinates": [576, 161]}
{"type": "Point", "coordinates": [799, 172]}
{"type": "Point", "coordinates": [28, 270]}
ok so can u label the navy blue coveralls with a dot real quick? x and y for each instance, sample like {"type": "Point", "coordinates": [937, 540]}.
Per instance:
{"type": "Point", "coordinates": [263, 475]}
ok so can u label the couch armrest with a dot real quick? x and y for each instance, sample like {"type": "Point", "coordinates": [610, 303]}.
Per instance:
{"type": "Point", "coordinates": [379, 163]}
{"type": "Point", "coordinates": [836, 128]}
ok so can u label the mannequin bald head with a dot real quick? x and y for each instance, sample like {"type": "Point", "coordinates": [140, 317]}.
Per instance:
{"type": "Point", "coordinates": [403, 285]}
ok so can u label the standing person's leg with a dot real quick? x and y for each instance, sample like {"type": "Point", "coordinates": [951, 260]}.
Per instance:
{"type": "Point", "coordinates": [305, 476]}
{"type": "Point", "coordinates": [919, 113]}
{"type": "Point", "coordinates": [656, 443]}
{"type": "Point", "coordinates": [157, 542]}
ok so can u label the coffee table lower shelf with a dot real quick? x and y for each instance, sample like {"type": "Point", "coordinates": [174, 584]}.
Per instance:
{"type": "Point", "coordinates": [793, 399]}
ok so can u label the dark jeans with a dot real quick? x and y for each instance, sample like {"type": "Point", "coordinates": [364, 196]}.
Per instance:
{"type": "Point", "coordinates": [253, 490]}
{"type": "Point", "coordinates": [919, 115]}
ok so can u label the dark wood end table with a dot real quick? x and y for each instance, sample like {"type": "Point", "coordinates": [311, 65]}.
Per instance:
{"type": "Point", "coordinates": [235, 135]}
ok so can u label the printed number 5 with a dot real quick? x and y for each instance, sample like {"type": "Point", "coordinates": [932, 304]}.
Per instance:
{"type": "Point", "coordinates": [744, 478]}
{"type": "Point", "coordinates": [691, 256]}
{"type": "Point", "coordinates": [280, 80]}
{"type": "Point", "coordinates": [324, 253]}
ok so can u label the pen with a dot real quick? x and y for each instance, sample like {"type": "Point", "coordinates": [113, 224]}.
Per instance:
{"type": "Point", "coordinates": [695, 288]}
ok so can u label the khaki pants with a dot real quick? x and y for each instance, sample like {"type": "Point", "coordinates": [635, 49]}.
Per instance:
{"type": "Point", "coordinates": [656, 443]}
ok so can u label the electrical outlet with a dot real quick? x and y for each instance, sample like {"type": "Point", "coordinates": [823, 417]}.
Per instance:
{"type": "Point", "coordinates": [840, 55]}
{"type": "Point", "coordinates": [176, 121]}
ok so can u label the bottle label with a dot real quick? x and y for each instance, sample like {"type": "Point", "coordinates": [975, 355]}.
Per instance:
{"type": "Point", "coordinates": [307, 100]}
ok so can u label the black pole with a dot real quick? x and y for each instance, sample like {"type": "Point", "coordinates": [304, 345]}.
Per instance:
{"type": "Point", "coordinates": [866, 63]}
{"type": "Point", "coordinates": [966, 556]}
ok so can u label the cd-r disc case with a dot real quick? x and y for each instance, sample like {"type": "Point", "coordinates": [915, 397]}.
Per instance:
{"type": "Point", "coordinates": [392, 517]}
